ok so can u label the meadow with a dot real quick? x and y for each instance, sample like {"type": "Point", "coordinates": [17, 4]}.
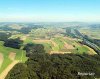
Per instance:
{"type": "Point", "coordinates": [5, 51]}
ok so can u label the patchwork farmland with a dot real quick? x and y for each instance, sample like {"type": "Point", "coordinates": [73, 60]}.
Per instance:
{"type": "Point", "coordinates": [64, 45]}
{"type": "Point", "coordinates": [18, 45]}
{"type": "Point", "coordinates": [8, 58]}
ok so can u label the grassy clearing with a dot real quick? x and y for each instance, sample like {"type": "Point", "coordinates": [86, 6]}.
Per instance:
{"type": "Point", "coordinates": [28, 40]}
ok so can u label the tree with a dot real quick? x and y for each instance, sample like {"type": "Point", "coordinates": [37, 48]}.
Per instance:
{"type": "Point", "coordinates": [20, 71]}
{"type": "Point", "coordinates": [4, 36]}
{"type": "Point", "coordinates": [14, 43]}
{"type": "Point", "coordinates": [34, 48]}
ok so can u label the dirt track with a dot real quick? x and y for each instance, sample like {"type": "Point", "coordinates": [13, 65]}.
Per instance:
{"type": "Point", "coordinates": [69, 38]}
{"type": "Point", "coordinates": [5, 72]}
{"type": "Point", "coordinates": [59, 52]}
{"type": "Point", "coordinates": [1, 59]}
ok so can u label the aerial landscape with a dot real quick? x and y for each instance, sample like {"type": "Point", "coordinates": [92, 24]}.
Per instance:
{"type": "Point", "coordinates": [36, 44]}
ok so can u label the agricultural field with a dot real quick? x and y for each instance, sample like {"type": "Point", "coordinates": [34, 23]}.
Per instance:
{"type": "Point", "coordinates": [9, 55]}
{"type": "Point", "coordinates": [64, 45]}
{"type": "Point", "coordinates": [55, 40]}
{"type": "Point", "coordinates": [93, 33]}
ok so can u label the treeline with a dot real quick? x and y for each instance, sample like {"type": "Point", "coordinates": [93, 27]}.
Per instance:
{"type": "Point", "coordinates": [8, 42]}
{"type": "Point", "coordinates": [73, 32]}
{"type": "Point", "coordinates": [24, 29]}
{"type": "Point", "coordinates": [78, 34]}
{"type": "Point", "coordinates": [96, 26]}
{"type": "Point", "coordinates": [41, 65]}
{"type": "Point", "coordinates": [6, 28]}
{"type": "Point", "coordinates": [69, 32]}
{"type": "Point", "coordinates": [14, 43]}
{"type": "Point", "coordinates": [93, 43]}
{"type": "Point", "coordinates": [4, 36]}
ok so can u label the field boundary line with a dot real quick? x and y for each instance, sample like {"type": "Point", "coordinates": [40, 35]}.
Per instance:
{"type": "Point", "coordinates": [5, 72]}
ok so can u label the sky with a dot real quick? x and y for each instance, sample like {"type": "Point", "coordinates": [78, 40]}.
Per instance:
{"type": "Point", "coordinates": [49, 10]}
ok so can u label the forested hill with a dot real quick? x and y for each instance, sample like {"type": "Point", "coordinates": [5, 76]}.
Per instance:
{"type": "Point", "coordinates": [41, 65]}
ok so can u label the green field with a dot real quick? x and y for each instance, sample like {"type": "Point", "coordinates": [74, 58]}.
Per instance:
{"type": "Point", "coordinates": [93, 33]}
{"type": "Point", "coordinates": [78, 48]}
{"type": "Point", "coordinates": [20, 55]}
{"type": "Point", "coordinates": [49, 33]}
{"type": "Point", "coordinates": [55, 40]}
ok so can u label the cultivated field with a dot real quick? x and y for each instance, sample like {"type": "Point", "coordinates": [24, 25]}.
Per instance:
{"type": "Point", "coordinates": [9, 55]}
{"type": "Point", "coordinates": [93, 33]}
{"type": "Point", "coordinates": [64, 45]}
{"type": "Point", "coordinates": [56, 40]}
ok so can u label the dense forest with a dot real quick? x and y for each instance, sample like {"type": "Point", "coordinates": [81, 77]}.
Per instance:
{"type": "Point", "coordinates": [41, 65]}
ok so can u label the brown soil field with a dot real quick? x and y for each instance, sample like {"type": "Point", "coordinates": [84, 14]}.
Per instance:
{"type": "Point", "coordinates": [53, 43]}
{"type": "Point", "coordinates": [12, 55]}
{"type": "Point", "coordinates": [68, 46]}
